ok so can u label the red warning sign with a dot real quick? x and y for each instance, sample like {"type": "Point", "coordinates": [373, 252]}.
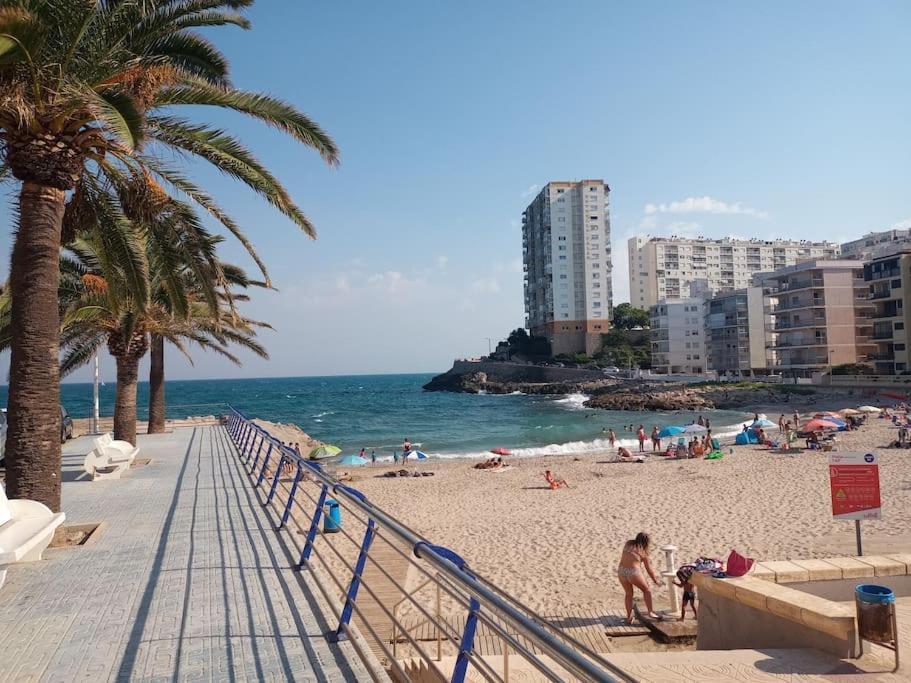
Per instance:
{"type": "Point", "coordinates": [854, 480]}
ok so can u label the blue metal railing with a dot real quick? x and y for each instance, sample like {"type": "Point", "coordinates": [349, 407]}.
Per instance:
{"type": "Point", "coordinates": [484, 603]}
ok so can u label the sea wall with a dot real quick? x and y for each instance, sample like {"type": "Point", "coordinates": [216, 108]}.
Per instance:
{"type": "Point", "coordinates": [508, 372]}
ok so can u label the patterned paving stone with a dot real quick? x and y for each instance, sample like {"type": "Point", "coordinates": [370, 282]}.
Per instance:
{"type": "Point", "coordinates": [186, 581]}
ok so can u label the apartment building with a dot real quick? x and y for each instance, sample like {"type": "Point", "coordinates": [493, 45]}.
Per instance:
{"type": "Point", "coordinates": [677, 336]}
{"type": "Point", "coordinates": [819, 315]}
{"type": "Point", "coordinates": [673, 268]}
{"type": "Point", "coordinates": [567, 262]}
{"type": "Point", "coordinates": [876, 244]}
{"type": "Point", "coordinates": [735, 333]}
{"type": "Point", "coordinates": [888, 278]}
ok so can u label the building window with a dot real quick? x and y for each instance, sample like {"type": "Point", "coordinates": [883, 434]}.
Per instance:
{"type": "Point", "coordinates": [595, 276]}
{"type": "Point", "coordinates": [562, 277]}
{"type": "Point", "coordinates": [899, 326]}
{"type": "Point", "coordinates": [899, 347]}
{"type": "Point", "coordinates": [562, 247]}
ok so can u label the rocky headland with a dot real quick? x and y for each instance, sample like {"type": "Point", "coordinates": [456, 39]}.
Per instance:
{"type": "Point", "coordinates": [642, 395]}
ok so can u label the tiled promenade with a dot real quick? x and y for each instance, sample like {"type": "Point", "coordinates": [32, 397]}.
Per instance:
{"type": "Point", "coordinates": [186, 581]}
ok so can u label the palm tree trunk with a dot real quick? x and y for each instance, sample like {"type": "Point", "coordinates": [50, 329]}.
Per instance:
{"type": "Point", "coordinates": [156, 386]}
{"type": "Point", "coordinates": [125, 402]}
{"type": "Point", "coordinates": [33, 436]}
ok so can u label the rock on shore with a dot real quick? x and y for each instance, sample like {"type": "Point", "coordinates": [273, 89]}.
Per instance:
{"type": "Point", "coordinates": [640, 395]}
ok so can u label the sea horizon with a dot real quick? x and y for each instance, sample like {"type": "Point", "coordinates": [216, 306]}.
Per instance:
{"type": "Point", "coordinates": [379, 411]}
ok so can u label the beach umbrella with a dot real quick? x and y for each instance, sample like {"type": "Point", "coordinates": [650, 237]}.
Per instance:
{"type": "Point", "coordinates": [421, 455]}
{"type": "Point", "coordinates": [670, 430]}
{"type": "Point", "coordinates": [763, 422]}
{"type": "Point", "coordinates": [870, 409]}
{"type": "Point", "coordinates": [351, 461]}
{"type": "Point", "coordinates": [850, 411]}
{"type": "Point", "coordinates": [816, 425]}
{"type": "Point", "coordinates": [693, 429]}
{"type": "Point", "coordinates": [326, 450]}
{"type": "Point", "coordinates": [826, 415]}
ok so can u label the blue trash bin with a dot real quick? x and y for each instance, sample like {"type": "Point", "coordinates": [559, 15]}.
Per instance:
{"type": "Point", "coordinates": [875, 612]}
{"type": "Point", "coordinates": [332, 520]}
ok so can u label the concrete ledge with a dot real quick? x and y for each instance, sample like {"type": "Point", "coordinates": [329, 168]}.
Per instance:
{"type": "Point", "coordinates": [786, 571]}
{"type": "Point", "coordinates": [884, 566]}
{"type": "Point", "coordinates": [748, 612]}
{"type": "Point", "coordinates": [830, 617]}
{"type": "Point", "coordinates": [820, 570]}
{"type": "Point", "coordinates": [851, 568]}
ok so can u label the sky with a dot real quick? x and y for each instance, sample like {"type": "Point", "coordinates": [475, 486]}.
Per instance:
{"type": "Point", "coordinates": [773, 119]}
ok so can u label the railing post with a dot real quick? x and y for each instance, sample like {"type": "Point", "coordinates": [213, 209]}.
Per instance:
{"type": "Point", "coordinates": [258, 451]}
{"type": "Point", "coordinates": [439, 632]}
{"type": "Point", "coordinates": [278, 474]}
{"type": "Point", "coordinates": [262, 471]}
{"type": "Point", "coordinates": [314, 527]}
{"type": "Point", "coordinates": [245, 439]}
{"type": "Point", "coordinates": [287, 512]}
{"type": "Point", "coordinates": [355, 584]}
{"type": "Point", "coordinates": [233, 426]}
{"type": "Point", "coordinates": [467, 644]}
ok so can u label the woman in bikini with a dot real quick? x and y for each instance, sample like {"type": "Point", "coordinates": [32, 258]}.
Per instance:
{"type": "Point", "coordinates": [634, 565]}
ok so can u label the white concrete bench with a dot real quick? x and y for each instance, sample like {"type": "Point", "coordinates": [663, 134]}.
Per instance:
{"type": "Point", "coordinates": [109, 459]}
{"type": "Point", "coordinates": [26, 529]}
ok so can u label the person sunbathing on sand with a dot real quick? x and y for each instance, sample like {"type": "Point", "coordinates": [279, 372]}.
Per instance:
{"type": "Point", "coordinates": [634, 565]}
{"type": "Point", "coordinates": [626, 456]}
{"type": "Point", "coordinates": [553, 482]}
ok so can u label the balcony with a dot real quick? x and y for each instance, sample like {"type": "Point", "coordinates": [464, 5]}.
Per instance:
{"type": "Point", "coordinates": [801, 284]}
{"type": "Point", "coordinates": [879, 357]}
{"type": "Point", "coordinates": [881, 334]}
{"type": "Point", "coordinates": [882, 274]}
{"type": "Point", "coordinates": [888, 313]}
{"type": "Point", "coordinates": [881, 295]}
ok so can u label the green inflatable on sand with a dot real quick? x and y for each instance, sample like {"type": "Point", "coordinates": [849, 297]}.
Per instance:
{"type": "Point", "coordinates": [715, 455]}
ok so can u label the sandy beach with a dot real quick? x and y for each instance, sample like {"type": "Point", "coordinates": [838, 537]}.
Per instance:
{"type": "Point", "coordinates": [555, 549]}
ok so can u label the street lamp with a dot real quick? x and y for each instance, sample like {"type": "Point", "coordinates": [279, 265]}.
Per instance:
{"type": "Point", "coordinates": [489, 349]}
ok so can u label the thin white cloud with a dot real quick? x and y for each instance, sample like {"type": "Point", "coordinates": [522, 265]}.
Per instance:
{"type": "Point", "coordinates": [442, 262]}
{"type": "Point", "coordinates": [704, 204]}
{"type": "Point", "coordinates": [486, 285]}
{"type": "Point", "coordinates": [530, 192]}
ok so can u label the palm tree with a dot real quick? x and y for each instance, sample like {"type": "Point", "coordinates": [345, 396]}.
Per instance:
{"type": "Point", "coordinates": [83, 87]}
{"type": "Point", "coordinates": [100, 308]}
{"type": "Point", "coordinates": [211, 329]}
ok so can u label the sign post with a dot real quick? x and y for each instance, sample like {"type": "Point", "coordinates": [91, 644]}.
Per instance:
{"type": "Point", "coordinates": [854, 483]}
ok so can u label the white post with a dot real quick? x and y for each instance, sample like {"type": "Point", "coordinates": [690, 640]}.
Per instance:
{"type": "Point", "coordinates": [95, 409]}
{"type": "Point", "coordinates": [669, 574]}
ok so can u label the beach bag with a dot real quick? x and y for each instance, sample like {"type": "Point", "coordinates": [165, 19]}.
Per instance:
{"type": "Point", "coordinates": [715, 455]}
{"type": "Point", "coordinates": [738, 565]}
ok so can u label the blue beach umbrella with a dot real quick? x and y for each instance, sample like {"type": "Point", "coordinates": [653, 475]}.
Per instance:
{"type": "Point", "coordinates": [352, 461]}
{"type": "Point", "coordinates": [420, 455]}
{"type": "Point", "coordinates": [670, 430]}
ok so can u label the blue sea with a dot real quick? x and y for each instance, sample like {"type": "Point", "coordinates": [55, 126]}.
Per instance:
{"type": "Point", "coordinates": [377, 412]}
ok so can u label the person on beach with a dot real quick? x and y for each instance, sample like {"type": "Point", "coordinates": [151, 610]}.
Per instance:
{"type": "Point", "coordinates": [689, 592]}
{"type": "Point", "coordinates": [611, 437]}
{"type": "Point", "coordinates": [373, 457]}
{"type": "Point", "coordinates": [707, 424]}
{"type": "Point", "coordinates": [553, 482]}
{"type": "Point", "coordinates": [656, 440]}
{"type": "Point", "coordinates": [640, 434]}
{"type": "Point", "coordinates": [781, 423]}
{"type": "Point", "coordinates": [634, 566]}
{"type": "Point", "coordinates": [796, 420]}
{"type": "Point", "coordinates": [363, 453]}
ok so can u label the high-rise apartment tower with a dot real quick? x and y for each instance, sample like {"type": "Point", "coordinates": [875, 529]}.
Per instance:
{"type": "Point", "coordinates": [567, 260]}
{"type": "Point", "coordinates": [663, 268]}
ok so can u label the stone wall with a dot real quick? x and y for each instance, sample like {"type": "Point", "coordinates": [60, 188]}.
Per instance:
{"type": "Point", "coordinates": [520, 372]}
